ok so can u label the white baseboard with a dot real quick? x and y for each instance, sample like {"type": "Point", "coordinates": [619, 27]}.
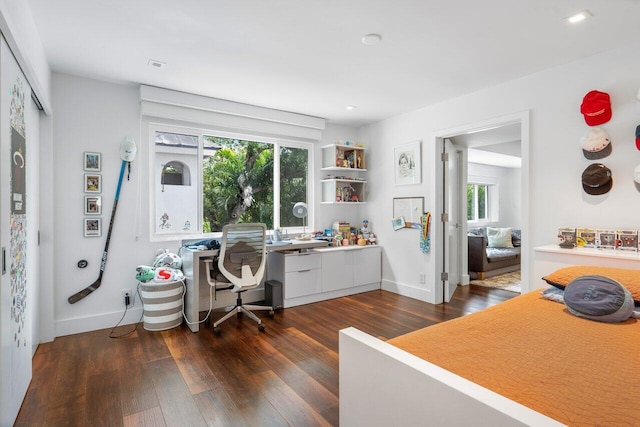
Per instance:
{"type": "Point", "coordinates": [79, 325]}
{"type": "Point", "coordinates": [408, 291]}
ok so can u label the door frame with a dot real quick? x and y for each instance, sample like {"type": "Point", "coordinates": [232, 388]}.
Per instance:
{"type": "Point", "coordinates": [457, 271]}
{"type": "Point", "coordinates": [439, 230]}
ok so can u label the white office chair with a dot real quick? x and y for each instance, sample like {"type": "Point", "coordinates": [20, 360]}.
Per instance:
{"type": "Point", "coordinates": [241, 266]}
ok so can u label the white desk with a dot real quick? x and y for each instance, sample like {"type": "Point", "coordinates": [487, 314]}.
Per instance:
{"type": "Point", "coordinates": [197, 296]}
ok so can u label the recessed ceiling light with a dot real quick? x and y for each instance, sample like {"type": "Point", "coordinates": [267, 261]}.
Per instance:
{"type": "Point", "coordinates": [371, 39]}
{"type": "Point", "coordinates": [156, 64]}
{"type": "Point", "coordinates": [579, 17]}
{"type": "Point", "coordinates": [351, 107]}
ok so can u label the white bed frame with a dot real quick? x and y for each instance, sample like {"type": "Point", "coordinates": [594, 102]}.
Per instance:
{"type": "Point", "coordinates": [382, 385]}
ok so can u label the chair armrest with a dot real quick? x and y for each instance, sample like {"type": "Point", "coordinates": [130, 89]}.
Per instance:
{"type": "Point", "coordinates": [477, 249]}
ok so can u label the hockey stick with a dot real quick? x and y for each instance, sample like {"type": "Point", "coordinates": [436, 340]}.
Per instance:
{"type": "Point", "coordinates": [95, 285]}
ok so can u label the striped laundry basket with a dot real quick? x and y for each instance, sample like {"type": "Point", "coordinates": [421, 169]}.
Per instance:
{"type": "Point", "coordinates": [162, 305]}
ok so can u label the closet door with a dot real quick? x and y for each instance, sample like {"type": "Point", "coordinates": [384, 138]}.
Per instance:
{"type": "Point", "coordinates": [15, 327]}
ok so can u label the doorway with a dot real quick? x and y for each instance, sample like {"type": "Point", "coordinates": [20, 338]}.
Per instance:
{"type": "Point", "coordinates": [498, 138]}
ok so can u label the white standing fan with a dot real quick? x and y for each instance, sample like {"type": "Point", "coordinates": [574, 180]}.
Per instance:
{"type": "Point", "coordinates": [300, 211]}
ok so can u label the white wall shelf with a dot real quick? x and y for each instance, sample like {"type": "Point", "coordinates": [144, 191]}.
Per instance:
{"type": "Point", "coordinates": [343, 158]}
{"type": "Point", "coordinates": [343, 191]}
{"type": "Point", "coordinates": [347, 189]}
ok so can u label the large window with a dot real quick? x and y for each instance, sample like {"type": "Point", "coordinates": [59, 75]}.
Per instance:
{"type": "Point", "coordinates": [223, 178]}
{"type": "Point", "coordinates": [478, 202]}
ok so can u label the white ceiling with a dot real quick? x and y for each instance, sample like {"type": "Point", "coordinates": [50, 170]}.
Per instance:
{"type": "Point", "coordinates": [306, 56]}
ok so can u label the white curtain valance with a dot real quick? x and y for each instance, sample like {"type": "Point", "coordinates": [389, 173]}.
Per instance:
{"type": "Point", "coordinates": [220, 113]}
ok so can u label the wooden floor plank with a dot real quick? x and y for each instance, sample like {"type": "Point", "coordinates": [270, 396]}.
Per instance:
{"type": "Point", "coordinates": [176, 401]}
{"type": "Point", "coordinates": [152, 417]}
{"type": "Point", "coordinates": [285, 376]}
{"type": "Point", "coordinates": [103, 406]}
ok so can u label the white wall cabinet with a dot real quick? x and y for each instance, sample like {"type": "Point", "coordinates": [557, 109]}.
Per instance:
{"type": "Point", "coordinates": [325, 273]}
{"type": "Point", "coordinates": [342, 183]}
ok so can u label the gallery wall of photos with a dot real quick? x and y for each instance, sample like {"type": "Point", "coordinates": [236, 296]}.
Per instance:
{"type": "Point", "coordinates": [92, 223]}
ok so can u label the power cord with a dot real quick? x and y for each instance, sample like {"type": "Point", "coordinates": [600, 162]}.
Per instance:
{"type": "Point", "coordinates": [126, 308]}
{"type": "Point", "coordinates": [184, 292]}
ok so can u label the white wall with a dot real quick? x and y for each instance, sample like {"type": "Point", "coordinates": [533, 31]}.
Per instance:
{"type": "Point", "coordinates": [508, 182]}
{"type": "Point", "coordinates": [556, 199]}
{"type": "Point", "coordinates": [96, 116]}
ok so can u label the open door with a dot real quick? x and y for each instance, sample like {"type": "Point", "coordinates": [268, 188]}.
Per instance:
{"type": "Point", "coordinates": [452, 224]}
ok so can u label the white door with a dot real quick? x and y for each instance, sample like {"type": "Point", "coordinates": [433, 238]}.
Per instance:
{"type": "Point", "coordinates": [15, 171]}
{"type": "Point", "coordinates": [452, 158]}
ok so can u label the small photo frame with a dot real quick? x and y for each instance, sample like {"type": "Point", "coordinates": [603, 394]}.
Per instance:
{"type": "Point", "coordinates": [92, 161]}
{"type": "Point", "coordinates": [92, 183]}
{"type": "Point", "coordinates": [407, 164]}
{"type": "Point", "coordinates": [92, 227]}
{"type": "Point", "coordinates": [92, 205]}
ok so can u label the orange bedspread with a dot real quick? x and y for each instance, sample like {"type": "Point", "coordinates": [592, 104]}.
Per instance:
{"type": "Point", "coordinates": [531, 350]}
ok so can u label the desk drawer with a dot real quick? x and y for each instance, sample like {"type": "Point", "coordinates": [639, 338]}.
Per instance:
{"type": "Point", "coordinates": [301, 283]}
{"type": "Point", "coordinates": [300, 262]}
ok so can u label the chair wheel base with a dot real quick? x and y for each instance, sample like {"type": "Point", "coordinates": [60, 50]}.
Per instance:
{"type": "Point", "coordinates": [217, 330]}
{"type": "Point", "coordinates": [261, 327]}
{"type": "Point", "coordinates": [272, 313]}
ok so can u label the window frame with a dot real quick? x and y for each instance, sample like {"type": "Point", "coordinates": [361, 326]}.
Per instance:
{"type": "Point", "coordinates": [202, 131]}
{"type": "Point", "coordinates": [492, 202]}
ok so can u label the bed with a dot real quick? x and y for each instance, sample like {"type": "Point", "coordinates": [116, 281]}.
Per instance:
{"type": "Point", "coordinates": [526, 361]}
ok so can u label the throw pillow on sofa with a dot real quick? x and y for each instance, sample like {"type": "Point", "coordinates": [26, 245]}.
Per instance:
{"type": "Point", "coordinates": [499, 237]}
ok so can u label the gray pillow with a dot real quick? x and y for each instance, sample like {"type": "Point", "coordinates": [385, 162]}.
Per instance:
{"type": "Point", "coordinates": [598, 298]}
{"type": "Point", "coordinates": [478, 231]}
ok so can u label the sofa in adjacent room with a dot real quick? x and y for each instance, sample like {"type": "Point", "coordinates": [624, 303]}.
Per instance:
{"type": "Point", "coordinates": [493, 251]}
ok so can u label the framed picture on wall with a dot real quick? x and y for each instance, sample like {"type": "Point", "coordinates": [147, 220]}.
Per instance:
{"type": "Point", "coordinates": [92, 183]}
{"type": "Point", "coordinates": [92, 161]}
{"type": "Point", "coordinates": [92, 205]}
{"type": "Point", "coordinates": [407, 165]}
{"type": "Point", "coordinates": [92, 227]}
{"type": "Point", "coordinates": [409, 208]}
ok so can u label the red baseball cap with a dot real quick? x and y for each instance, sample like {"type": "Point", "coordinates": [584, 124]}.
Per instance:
{"type": "Point", "coordinates": [596, 108]}
{"type": "Point", "coordinates": [638, 137]}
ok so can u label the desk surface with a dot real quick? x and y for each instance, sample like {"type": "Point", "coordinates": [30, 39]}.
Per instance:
{"type": "Point", "coordinates": [292, 245]}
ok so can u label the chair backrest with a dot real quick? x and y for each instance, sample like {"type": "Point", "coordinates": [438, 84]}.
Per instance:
{"type": "Point", "coordinates": [243, 254]}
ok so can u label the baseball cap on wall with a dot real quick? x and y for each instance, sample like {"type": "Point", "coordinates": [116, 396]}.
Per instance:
{"type": "Point", "coordinates": [596, 144]}
{"type": "Point", "coordinates": [638, 137]}
{"type": "Point", "coordinates": [596, 108]}
{"type": "Point", "coordinates": [597, 179]}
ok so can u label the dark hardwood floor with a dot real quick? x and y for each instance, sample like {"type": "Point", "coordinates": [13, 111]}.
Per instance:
{"type": "Point", "coordinates": [287, 375]}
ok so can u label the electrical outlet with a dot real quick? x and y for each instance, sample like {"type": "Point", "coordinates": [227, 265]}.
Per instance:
{"type": "Point", "coordinates": [126, 293]}
{"type": "Point", "coordinates": [422, 278]}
